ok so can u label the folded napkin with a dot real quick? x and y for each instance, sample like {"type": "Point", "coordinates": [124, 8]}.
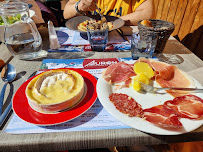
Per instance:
{"type": "Point", "coordinates": [53, 39]}
{"type": "Point", "coordinates": [197, 74]}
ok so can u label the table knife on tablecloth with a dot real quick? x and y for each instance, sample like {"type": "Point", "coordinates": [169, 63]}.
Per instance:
{"type": "Point", "coordinates": [120, 32]}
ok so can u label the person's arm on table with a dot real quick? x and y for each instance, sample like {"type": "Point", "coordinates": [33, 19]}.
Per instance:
{"type": "Point", "coordinates": [144, 11]}
{"type": "Point", "coordinates": [83, 6]}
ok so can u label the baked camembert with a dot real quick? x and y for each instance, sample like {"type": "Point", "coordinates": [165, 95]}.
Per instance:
{"type": "Point", "coordinates": [55, 90]}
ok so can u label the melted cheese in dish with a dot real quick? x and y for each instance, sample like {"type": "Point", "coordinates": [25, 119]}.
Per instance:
{"type": "Point", "coordinates": [55, 88]}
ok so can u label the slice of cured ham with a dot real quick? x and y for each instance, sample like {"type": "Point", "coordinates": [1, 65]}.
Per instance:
{"type": "Point", "coordinates": [155, 65]}
{"type": "Point", "coordinates": [171, 76]}
{"type": "Point", "coordinates": [162, 116]}
{"type": "Point", "coordinates": [188, 106]}
{"type": "Point", "coordinates": [119, 72]}
{"type": "Point", "coordinates": [126, 104]}
{"type": "Point", "coordinates": [125, 85]}
{"type": "Point", "coordinates": [142, 59]}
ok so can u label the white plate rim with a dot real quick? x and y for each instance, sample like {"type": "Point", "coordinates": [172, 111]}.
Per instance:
{"type": "Point", "coordinates": [103, 91]}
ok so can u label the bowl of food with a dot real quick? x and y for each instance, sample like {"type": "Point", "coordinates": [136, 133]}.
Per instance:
{"type": "Point", "coordinates": [55, 90]}
{"type": "Point", "coordinates": [79, 23]}
{"type": "Point", "coordinates": [162, 28]}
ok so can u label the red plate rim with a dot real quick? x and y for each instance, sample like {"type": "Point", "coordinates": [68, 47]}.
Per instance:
{"type": "Point", "coordinates": [26, 113]}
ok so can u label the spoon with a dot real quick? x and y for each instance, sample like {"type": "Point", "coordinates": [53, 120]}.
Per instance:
{"type": "Point", "coordinates": [8, 74]}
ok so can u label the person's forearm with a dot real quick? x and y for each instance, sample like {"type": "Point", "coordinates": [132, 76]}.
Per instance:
{"type": "Point", "coordinates": [133, 18]}
{"type": "Point", "coordinates": [83, 6]}
{"type": "Point", "coordinates": [144, 11]}
{"type": "Point", "coordinates": [69, 11]}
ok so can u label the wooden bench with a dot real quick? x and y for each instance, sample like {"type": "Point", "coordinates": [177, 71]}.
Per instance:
{"type": "Point", "coordinates": [187, 15]}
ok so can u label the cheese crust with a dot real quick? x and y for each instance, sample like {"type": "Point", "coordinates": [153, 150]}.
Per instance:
{"type": "Point", "coordinates": [55, 90]}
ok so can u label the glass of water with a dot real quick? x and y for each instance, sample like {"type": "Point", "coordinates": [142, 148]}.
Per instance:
{"type": "Point", "coordinates": [98, 37]}
{"type": "Point", "coordinates": [143, 47]}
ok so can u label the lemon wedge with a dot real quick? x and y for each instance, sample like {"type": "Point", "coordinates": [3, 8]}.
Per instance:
{"type": "Point", "coordinates": [139, 78]}
{"type": "Point", "coordinates": [142, 67]}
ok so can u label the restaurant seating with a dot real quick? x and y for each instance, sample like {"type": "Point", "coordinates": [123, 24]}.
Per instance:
{"type": "Point", "coordinates": [186, 15]}
{"type": "Point", "coordinates": [56, 8]}
{"type": "Point", "coordinates": [47, 13]}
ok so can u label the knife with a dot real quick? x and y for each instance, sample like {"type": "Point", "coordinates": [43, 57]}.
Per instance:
{"type": "Point", "coordinates": [9, 107]}
{"type": "Point", "coordinates": [120, 32]}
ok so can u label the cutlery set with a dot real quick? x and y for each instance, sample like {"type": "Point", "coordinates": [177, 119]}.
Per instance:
{"type": "Point", "coordinates": [8, 75]}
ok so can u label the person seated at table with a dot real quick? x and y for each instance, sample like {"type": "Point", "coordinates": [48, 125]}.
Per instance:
{"type": "Point", "coordinates": [131, 11]}
{"type": "Point", "coordinates": [42, 13]}
{"type": "Point", "coordinates": [37, 17]}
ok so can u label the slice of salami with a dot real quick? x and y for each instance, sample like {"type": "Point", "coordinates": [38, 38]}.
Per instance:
{"type": "Point", "coordinates": [188, 106]}
{"type": "Point", "coordinates": [126, 104]}
{"type": "Point", "coordinates": [162, 116]}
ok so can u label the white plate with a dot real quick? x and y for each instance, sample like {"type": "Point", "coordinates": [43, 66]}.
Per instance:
{"type": "Point", "coordinates": [147, 100]}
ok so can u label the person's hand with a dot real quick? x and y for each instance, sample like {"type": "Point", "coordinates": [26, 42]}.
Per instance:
{"type": "Point", "coordinates": [87, 5]}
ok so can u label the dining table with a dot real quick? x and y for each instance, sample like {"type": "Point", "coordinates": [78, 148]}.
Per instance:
{"type": "Point", "coordinates": [90, 139]}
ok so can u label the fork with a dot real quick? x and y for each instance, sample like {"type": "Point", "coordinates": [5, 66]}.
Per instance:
{"type": "Point", "coordinates": [103, 19]}
{"type": "Point", "coordinates": [150, 89]}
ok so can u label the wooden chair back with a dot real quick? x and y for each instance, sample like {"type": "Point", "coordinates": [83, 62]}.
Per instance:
{"type": "Point", "coordinates": [187, 15]}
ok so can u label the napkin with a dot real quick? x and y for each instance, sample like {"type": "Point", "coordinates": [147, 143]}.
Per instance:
{"type": "Point", "coordinates": [53, 39]}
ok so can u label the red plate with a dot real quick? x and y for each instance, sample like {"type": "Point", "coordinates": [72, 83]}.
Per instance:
{"type": "Point", "coordinates": [26, 113]}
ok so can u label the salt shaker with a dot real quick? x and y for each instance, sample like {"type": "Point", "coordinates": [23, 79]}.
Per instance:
{"type": "Point", "coordinates": [53, 39]}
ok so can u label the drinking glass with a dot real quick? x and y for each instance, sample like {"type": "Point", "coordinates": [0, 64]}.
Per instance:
{"type": "Point", "coordinates": [143, 47]}
{"type": "Point", "coordinates": [97, 37]}
{"type": "Point", "coordinates": [21, 35]}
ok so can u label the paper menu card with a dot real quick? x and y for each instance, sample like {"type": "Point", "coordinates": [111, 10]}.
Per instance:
{"type": "Point", "coordinates": [74, 41]}
{"type": "Point", "coordinates": [96, 118]}
{"type": "Point", "coordinates": [70, 37]}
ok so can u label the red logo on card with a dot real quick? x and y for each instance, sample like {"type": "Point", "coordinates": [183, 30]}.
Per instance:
{"type": "Point", "coordinates": [99, 63]}
{"type": "Point", "coordinates": [109, 48]}
{"type": "Point", "coordinates": [87, 48]}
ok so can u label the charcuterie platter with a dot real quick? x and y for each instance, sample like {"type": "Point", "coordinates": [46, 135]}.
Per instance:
{"type": "Point", "coordinates": [114, 98]}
